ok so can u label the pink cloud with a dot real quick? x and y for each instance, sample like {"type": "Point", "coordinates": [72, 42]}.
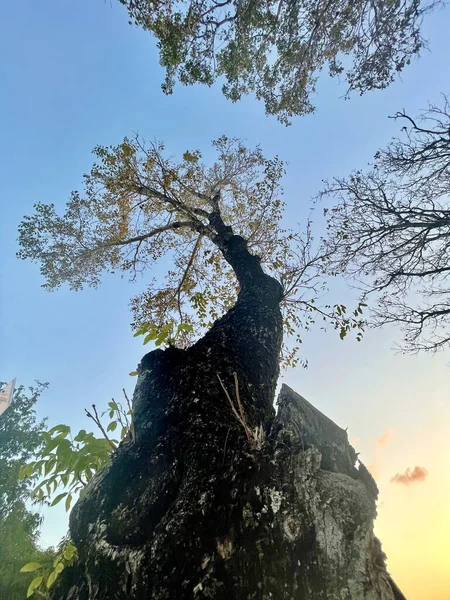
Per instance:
{"type": "Point", "coordinates": [374, 466]}
{"type": "Point", "coordinates": [410, 476]}
{"type": "Point", "coordinates": [384, 439]}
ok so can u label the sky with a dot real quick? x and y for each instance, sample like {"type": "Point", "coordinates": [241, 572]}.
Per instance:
{"type": "Point", "coordinates": [75, 74]}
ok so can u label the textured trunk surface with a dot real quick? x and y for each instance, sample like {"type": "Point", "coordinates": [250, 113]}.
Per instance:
{"type": "Point", "coordinates": [193, 509]}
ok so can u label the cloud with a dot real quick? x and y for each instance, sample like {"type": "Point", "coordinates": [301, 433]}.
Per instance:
{"type": "Point", "coordinates": [410, 476]}
{"type": "Point", "coordinates": [374, 466]}
{"type": "Point", "coordinates": [384, 439]}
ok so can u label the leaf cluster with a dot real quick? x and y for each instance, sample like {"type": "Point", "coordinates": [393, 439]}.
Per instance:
{"type": "Point", "coordinates": [48, 571]}
{"type": "Point", "coordinates": [69, 462]}
{"type": "Point", "coordinates": [277, 49]}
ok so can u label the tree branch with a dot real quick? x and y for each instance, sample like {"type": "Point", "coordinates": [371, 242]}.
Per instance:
{"type": "Point", "coordinates": [140, 238]}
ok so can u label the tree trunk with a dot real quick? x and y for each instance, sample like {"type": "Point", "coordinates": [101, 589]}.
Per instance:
{"type": "Point", "coordinates": [211, 502]}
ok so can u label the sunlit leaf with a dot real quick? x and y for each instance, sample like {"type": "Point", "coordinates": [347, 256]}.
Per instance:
{"type": "Point", "coordinates": [58, 498]}
{"type": "Point", "coordinates": [36, 582]}
{"type": "Point", "coordinates": [29, 567]}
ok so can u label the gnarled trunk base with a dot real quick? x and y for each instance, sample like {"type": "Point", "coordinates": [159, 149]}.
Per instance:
{"type": "Point", "coordinates": [198, 508]}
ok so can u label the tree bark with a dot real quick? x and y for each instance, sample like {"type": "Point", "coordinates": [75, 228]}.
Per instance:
{"type": "Point", "coordinates": [197, 508]}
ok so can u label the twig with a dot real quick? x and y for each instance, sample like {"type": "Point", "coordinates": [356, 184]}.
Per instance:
{"type": "Point", "coordinates": [96, 420]}
{"type": "Point", "coordinates": [238, 397]}
{"type": "Point", "coordinates": [225, 447]}
{"type": "Point", "coordinates": [233, 408]}
{"type": "Point", "coordinates": [130, 408]}
{"type": "Point", "coordinates": [254, 437]}
{"type": "Point", "coordinates": [185, 274]}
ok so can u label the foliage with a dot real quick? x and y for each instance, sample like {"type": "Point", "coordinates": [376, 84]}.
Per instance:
{"type": "Point", "coordinates": [46, 572]}
{"type": "Point", "coordinates": [18, 535]}
{"type": "Point", "coordinates": [69, 462]}
{"type": "Point", "coordinates": [277, 49]}
{"type": "Point", "coordinates": [19, 528]}
{"type": "Point", "coordinates": [390, 230]}
{"type": "Point", "coordinates": [140, 206]}
{"type": "Point", "coordinates": [19, 440]}
{"type": "Point", "coordinates": [170, 333]}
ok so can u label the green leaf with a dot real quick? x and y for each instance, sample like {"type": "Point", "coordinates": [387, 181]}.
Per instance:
{"type": "Point", "coordinates": [68, 501]}
{"type": "Point", "coordinates": [62, 429]}
{"type": "Point", "coordinates": [133, 373]}
{"type": "Point", "coordinates": [30, 567]}
{"type": "Point", "coordinates": [58, 498]}
{"type": "Point", "coordinates": [150, 336]}
{"type": "Point", "coordinates": [51, 578]}
{"type": "Point", "coordinates": [162, 337]}
{"type": "Point", "coordinates": [46, 436]}
{"type": "Point", "coordinates": [50, 446]}
{"type": "Point", "coordinates": [80, 435]}
{"type": "Point", "coordinates": [69, 552]}
{"type": "Point", "coordinates": [49, 464]}
{"type": "Point", "coordinates": [59, 567]}
{"type": "Point", "coordinates": [112, 426]}
{"type": "Point", "coordinates": [26, 470]}
{"type": "Point", "coordinates": [142, 329]}
{"type": "Point", "coordinates": [34, 584]}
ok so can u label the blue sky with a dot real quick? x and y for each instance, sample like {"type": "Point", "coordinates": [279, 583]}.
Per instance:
{"type": "Point", "coordinates": [75, 74]}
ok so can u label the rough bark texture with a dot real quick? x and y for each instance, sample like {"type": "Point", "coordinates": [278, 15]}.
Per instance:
{"type": "Point", "coordinates": [194, 509]}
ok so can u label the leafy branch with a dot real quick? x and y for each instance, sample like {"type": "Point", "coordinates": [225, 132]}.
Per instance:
{"type": "Point", "coordinates": [69, 462]}
{"type": "Point", "coordinates": [49, 571]}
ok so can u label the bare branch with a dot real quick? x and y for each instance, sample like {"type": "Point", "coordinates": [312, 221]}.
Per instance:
{"type": "Point", "coordinates": [390, 230]}
{"type": "Point", "coordinates": [97, 421]}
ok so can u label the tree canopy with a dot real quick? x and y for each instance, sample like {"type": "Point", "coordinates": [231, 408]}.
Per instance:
{"type": "Point", "coordinates": [390, 230]}
{"type": "Point", "coordinates": [276, 50]}
{"type": "Point", "coordinates": [140, 205]}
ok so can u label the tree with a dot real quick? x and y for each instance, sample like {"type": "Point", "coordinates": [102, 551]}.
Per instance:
{"type": "Point", "coordinates": [390, 230]}
{"type": "Point", "coordinates": [19, 532]}
{"type": "Point", "coordinates": [213, 496]}
{"type": "Point", "coordinates": [140, 206]}
{"type": "Point", "coordinates": [276, 50]}
{"type": "Point", "coordinates": [20, 440]}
